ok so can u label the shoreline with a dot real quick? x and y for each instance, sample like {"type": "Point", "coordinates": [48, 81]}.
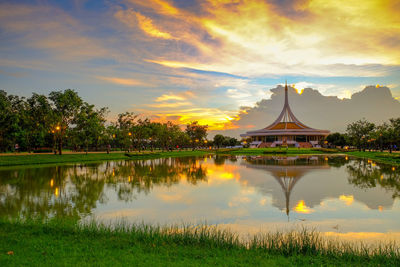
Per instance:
{"type": "Point", "coordinates": [14, 160]}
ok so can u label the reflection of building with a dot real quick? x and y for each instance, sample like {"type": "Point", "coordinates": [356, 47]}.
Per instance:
{"type": "Point", "coordinates": [286, 130]}
{"type": "Point", "coordinates": [322, 179]}
{"type": "Point", "coordinates": [287, 171]}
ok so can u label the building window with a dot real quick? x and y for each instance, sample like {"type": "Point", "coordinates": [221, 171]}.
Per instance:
{"type": "Point", "coordinates": [301, 138]}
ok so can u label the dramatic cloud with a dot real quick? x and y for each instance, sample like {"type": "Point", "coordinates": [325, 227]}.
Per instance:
{"type": "Point", "coordinates": [122, 81]}
{"type": "Point", "coordinates": [142, 56]}
{"type": "Point", "coordinates": [374, 103]}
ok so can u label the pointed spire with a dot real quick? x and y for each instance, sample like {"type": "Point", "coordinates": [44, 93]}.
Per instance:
{"type": "Point", "coordinates": [286, 105]}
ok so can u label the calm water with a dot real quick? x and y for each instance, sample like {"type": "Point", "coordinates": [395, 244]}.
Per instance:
{"type": "Point", "coordinates": [350, 198]}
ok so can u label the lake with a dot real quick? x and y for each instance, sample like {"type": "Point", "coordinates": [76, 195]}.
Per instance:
{"type": "Point", "coordinates": [342, 197]}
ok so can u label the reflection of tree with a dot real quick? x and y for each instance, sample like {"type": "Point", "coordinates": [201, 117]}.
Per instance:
{"type": "Point", "coordinates": [219, 160]}
{"type": "Point", "coordinates": [128, 177]}
{"type": "Point", "coordinates": [30, 192]}
{"type": "Point", "coordinates": [47, 192]}
{"type": "Point", "coordinates": [366, 174]}
{"type": "Point", "coordinates": [73, 191]}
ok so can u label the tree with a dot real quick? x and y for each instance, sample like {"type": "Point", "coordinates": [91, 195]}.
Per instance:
{"type": "Point", "coordinates": [336, 139]}
{"type": "Point", "coordinates": [90, 125]}
{"type": "Point", "coordinates": [359, 132]}
{"type": "Point", "coordinates": [219, 140]}
{"type": "Point", "coordinates": [196, 133]}
{"type": "Point", "coordinates": [140, 131]}
{"type": "Point", "coordinates": [125, 124]}
{"type": "Point", "coordinates": [394, 132]}
{"type": "Point", "coordinates": [40, 120]}
{"type": "Point", "coordinates": [66, 106]}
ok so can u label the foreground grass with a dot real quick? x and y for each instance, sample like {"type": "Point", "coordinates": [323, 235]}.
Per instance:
{"type": "Point", "coordinates": [383, 157]}
{"type": "Point", "coordinates": [64, 243]}
{"type": "Point", "coordinates": [34, 159]}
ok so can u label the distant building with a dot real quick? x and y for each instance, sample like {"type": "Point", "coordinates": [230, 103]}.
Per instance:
{"type": "Point", "coordinates": [286, 130]}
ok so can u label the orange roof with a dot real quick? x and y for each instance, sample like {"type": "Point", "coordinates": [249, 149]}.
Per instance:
{"type": "Point", "coordinates": [285, 125]}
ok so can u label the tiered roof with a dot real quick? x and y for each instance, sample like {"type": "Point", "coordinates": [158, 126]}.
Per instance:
{"type": "Point", "coordinates": [286, 124]}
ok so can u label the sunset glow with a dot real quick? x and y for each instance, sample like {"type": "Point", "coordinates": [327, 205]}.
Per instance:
{"type": "Point", "coordinates": [209, 61]}
{"type": "Point", "coordinates": [301, 207]}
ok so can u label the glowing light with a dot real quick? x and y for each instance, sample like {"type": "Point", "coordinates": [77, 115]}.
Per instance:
{"type": "Point", "coordinates": [301, 207]}
{"type": "Point", "coordinates": [146, 24]}
{"type": "Point", "coordinates": [348, 200]}
{"type": "Point", "coordinates": [393, 168]}
{"type": "Point", "coordinates": [226, 175]}
{"type": "Point", "coordinates": [51, 183]}
{"type": "Point", "coordinates": [58, 128]}
{"type": "Point", "coordinates": [56, 192]}
{"type": "Point", "coordinates": [129, 133]}
{"type": "Point", "coordinates": [326, 158]}
{"type": "Point", "coordinates": [346, 158]}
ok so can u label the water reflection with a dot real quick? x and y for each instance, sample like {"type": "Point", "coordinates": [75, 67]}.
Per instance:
{"type": "Point", "coordinates": [367, 174]}
{"type": "Point", "coordinates": [74, 191]}
{"type": "Point", "coordinates": [287, 171]}
{"type": "Point", "coordinates": [337, 195]}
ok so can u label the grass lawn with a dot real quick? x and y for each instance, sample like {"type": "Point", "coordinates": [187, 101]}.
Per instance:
{"type": "Point", "coordinates": [34, 159]}
{"type": "Point", "coordinates": [384, 157]}
{"type": "Point", "coordinates": [63, 243]}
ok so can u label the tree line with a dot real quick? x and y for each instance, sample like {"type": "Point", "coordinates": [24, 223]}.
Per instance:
{"type": "Point", "coordinates": [63, 120]}
{"type": "Point", "coordinates": [363, 135]}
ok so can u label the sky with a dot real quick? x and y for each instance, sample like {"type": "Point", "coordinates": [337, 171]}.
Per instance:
{"type": "Point", "coordinates": [213, 61]}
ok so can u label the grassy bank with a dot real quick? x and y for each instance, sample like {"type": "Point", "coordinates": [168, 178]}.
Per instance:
{"type": "Point", "coordinates": [34, 159]}
{"type": "Point", "coordinates": [383, 157]}
{"type": "Point", "coordinates": [63, 243]}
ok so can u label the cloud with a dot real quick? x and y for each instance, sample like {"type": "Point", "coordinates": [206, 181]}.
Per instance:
{"type": "Point", "coordinates": [146, 24]}
{"type": "Point", "coordinates": [266, 40]}
{"type": "Point", "coordinates": [170, 105]}
{"type": "Point", "coordinates": [53, 31]}
{"type": "Point", "coordinates": [375, 103]}
{"type": "Point", "coordinates": [122, 81]}
{"type": "Point", "coordinates": [172, 96]}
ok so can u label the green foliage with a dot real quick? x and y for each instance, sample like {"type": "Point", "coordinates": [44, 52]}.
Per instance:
{"type": "Point", "coordinates": [337, 139]}
{"type": "Point", "coordinates": [196, 133]}
{"type": "Point", "coordinates": [64, 120]}
{"type": "Point", "coordinates": [219, 140]}
{"type": "Point", "coordinates": [359, 132]}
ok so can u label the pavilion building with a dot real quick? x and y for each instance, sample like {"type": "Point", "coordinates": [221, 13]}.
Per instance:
{"type": "Point", "coordinates": [286, 130]}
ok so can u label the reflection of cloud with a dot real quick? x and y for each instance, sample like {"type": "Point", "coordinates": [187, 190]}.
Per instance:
{"type": "Point", "coordinates": [369, 237]}
{"type": "Point", "coordinates": [301, 207]}
{"type": "Point", "coordinates": [347, 199]}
